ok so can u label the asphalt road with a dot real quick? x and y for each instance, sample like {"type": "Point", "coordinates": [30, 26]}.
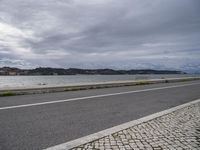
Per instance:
{"type": "Point", "coordinates": [35, 127]}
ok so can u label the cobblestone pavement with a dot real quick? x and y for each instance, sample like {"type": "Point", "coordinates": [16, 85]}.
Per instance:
{"type": "Point", "coordinates": [179, 130]}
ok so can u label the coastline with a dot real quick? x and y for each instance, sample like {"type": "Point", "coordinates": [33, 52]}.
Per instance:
{"type": "Point", "coordinates": [51, 89]}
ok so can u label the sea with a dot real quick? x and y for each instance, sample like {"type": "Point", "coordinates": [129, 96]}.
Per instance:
{"type": "Point", "coordinates": [9, 82]}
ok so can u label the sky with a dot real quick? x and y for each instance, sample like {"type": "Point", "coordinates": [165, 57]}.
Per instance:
{"type": "Point", "coordinates": [116, 34]}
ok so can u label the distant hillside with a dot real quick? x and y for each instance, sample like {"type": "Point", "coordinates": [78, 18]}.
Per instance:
{"type": "Point", "coordinates": [75, 71]}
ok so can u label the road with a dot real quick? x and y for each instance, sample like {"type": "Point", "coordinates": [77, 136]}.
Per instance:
{"type": "Point", "coordinates": [34, 122]}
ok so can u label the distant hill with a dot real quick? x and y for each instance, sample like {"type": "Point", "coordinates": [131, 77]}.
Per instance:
{"type": "Point", "coordinates": [75, 71]}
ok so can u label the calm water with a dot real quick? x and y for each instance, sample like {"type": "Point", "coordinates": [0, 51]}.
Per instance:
{"type": "Point", "coordinates": [42, 81]}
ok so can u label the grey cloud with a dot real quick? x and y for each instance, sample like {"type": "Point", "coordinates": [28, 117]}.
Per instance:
{"type": "Point", "coordinates": [104, 33]}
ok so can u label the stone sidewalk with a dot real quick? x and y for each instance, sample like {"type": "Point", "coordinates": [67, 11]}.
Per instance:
{"type": "Point", "coordinates": [179, 130]}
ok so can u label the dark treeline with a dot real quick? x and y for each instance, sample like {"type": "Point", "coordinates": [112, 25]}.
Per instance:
{"type": "Point", "coordinates": [75, 71]}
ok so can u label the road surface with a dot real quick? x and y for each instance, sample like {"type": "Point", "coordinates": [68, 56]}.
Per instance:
{"type": "Point", "coordinates": [34, 122]}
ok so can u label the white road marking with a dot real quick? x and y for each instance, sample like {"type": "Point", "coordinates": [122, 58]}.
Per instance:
{"type": "Point", "coordinates": [95, 96]}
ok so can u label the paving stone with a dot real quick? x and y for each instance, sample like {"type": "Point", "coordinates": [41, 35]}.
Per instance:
{"type": "Point", "coordinates": [179, 130]}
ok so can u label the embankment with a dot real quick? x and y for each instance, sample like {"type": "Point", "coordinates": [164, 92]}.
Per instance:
{"type": "Point", "coordinates": [37, 90]}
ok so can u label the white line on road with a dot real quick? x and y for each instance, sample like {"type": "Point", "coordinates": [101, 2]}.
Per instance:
{"type": "Point", "coordinates": [95, 96]}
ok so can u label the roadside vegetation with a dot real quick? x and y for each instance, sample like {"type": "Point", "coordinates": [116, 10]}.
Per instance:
{"type": "Point", "coordinates": [8, 93]}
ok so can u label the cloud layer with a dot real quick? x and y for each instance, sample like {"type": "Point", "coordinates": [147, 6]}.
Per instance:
{"type": "Point", "coordinates": [128, 34]}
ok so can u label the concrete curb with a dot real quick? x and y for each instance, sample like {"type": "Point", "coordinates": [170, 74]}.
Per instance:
{"type": "Point", "coordinates": [101, 134]}
{"type": "Point", "coordinates": [23, 91]}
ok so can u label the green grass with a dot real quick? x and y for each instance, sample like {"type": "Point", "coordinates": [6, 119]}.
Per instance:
{"type": "Point", "coordinates": [8, 93]}
{"type": "Point", "coordinates": [105, 86]}
{"type": "Point", "coordinates": [75, 88]}
{"type": "Point", "coordinates": [142, 83]}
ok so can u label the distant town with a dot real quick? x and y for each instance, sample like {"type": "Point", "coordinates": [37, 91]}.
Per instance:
{"type": "Point", "coordinates": [75, 71]}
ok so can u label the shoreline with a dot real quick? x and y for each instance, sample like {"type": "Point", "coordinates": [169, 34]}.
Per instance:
{"type": "Point", "coordinates": [52, 89]}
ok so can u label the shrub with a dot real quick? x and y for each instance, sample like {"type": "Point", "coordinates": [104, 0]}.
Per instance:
{"type": "Point", "coordinates": [8, 93]}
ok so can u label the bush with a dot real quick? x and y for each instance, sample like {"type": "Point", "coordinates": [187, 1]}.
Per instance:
{"type": "Point", "coordinates": [9, 93]}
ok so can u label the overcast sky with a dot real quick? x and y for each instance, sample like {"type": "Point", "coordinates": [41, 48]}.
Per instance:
{"type": "Point", "coordinates": [118, 34]}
